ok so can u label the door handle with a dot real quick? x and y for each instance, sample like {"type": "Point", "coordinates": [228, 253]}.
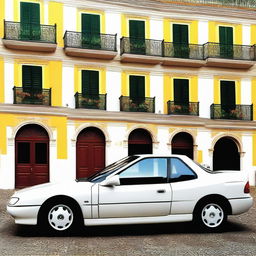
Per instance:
{"type": "Point", "coordinates": [161, 191]}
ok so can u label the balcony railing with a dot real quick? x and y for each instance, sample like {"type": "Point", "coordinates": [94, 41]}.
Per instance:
{"type": "Point", "coordinates": [235, 52]}
{"type": "Point", "coordinates": [233, 3]}
{"type": "Point", "coordinates": [187, 51]}
{"type": "Point", "coordinates": [97, 101]}
{"type": "Point", "coordinates": [144, 104]}
{"type": "Point", "coordinates": [236, 112]}
{"type": "Point", "coordinates": [192, 108]}
{"type": "Point", "coordinates": [83, 40]}
{"type": "Point", "coordinates": [141, 46]}
{"type": "Point", "coordinates": [29, 32]}
{"type": "Point", "coordinates": [31, 96]}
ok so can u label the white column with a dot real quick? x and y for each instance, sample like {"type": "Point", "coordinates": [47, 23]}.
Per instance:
{"type": "Point", "coordinates": [69, 14]}
{"type": "Point", "coordinates": [156, 29]}
{"type": "Point", "coordinates": [202, 32]}
{"type": "Point", "coordinates": [156, 90]}
{"type": "Point", "coordinates": [68, 99]}
{"type": "Point", "coordinates": [246, 91]}
{"type": "Point", "coordinates": [246, 34]}
{"type": "Point", "coordinates": [9, 81]}
{"type": "Point", "coordinates": [9, 10]}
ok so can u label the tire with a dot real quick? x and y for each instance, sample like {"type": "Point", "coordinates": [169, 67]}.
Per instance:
{"type": "Point", "coordinates": [211, 216]}
{"type": "Point", "coordinates": [60, 218]}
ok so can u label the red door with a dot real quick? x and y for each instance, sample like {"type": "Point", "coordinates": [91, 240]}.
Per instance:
{"type": "Point", "coordinates": [31, 156]}
{"type": "Point", "coordinates": [90, 152]}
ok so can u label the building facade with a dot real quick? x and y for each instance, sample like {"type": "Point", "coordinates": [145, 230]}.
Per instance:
{"type": "Point", "coordinates": [85, 83]}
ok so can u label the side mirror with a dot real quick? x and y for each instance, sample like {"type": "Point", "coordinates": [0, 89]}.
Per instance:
{"type": "Point", "coordinates": [112, 181]}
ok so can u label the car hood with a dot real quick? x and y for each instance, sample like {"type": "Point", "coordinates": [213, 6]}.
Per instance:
{"type": "Point", "coordinates": [36, 195]}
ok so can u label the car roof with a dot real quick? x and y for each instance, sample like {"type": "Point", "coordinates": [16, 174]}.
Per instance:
{"type": "Point", "coordinates": [160, 155]}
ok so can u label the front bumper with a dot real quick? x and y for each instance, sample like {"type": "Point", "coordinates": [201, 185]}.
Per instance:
{"type": "Point", "coordinates": [241, 205]}
{"type": "Point", "coordinates": [26, 215]}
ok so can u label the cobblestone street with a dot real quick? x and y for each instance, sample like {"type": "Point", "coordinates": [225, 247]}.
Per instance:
{"type": "Point", "coordinates": [239, 238]}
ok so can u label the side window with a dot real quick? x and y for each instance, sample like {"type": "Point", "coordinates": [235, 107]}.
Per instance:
{"type": "Point", "coordinates": [180, 171]}
{"type": "Point", "coordinates": [146, 171]}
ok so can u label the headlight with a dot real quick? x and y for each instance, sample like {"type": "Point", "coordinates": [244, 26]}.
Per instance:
{"type": "Point", "coordinates": [13, 201]}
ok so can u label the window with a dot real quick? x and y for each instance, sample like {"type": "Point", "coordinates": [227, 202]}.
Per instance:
{"type": "Point", "coordinates": [137, 36]}
{"type": "Point", "coordinates": [90, 83]}
{"type": "Point", "coordinates": [31, 78]}
{"type": "Point", "coordinates": [180, 171]}
{"type": "Point", "coordinates": [228, 95]}
{"type": "Point", "coordinates": [30, 21]}
{"type": "Point", "coordinates": [226, 42]}
{"type": "Point", "coordinates": [137, 88]}
{"type": "Point", "coordinates": [41, 153]}
{"type": "Point", "coordinates": [180, 41]}
{"type": "Point", "coordinates": [181, 91]}
{"type": "Point", "coordinates": [23, 156]}
{"type": "Point", "coordinates": [146, 171]}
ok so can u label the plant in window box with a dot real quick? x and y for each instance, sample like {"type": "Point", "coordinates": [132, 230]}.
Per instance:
{"type": "Point", "coordinates": [176, 108]}
{"type": "Point", "coordinates": [236, 114]}
{"type": "Point", "coordinates": [143, 107]}
{"type": "Point", "coordinates": [90, 103]}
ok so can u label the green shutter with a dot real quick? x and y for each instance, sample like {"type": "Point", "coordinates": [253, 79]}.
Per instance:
{"type": "Point", "coordinates": [228, 95]}
{"type": "Point", "coordinates": [91, 31]}
{"type": "Point", "coordinates": [137, 36]}
{"type": "Point", "coordinates": [137, 88]}
{"type": "Point", "coordinates": [226, 42]}
{"type": "Point", "coordinates": [90, 83]}
{"type": "Point", "coordinates": [30, 21]}
{"type": "Point", "coordinates": [180, 41]}
{"type": "Point", "coordinates": [31, 78]}
{"type": "Point", "coordinates": [181, 91]}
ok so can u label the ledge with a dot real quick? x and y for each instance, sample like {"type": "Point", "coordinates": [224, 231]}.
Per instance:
{"type": "Point", "coordinates": [144, 59]}
{"type": "Point", "coordinates": [183, 62]}
{"type": "Point", "coordinates": [229, 63]}
{"type": "Point", "coordinates": [29, 45]}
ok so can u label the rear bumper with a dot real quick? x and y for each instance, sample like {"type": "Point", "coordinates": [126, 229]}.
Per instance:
{"type": "Point", "coordinates": [241, 205]}
{"type": "Point", "coordinates": [26, 215]}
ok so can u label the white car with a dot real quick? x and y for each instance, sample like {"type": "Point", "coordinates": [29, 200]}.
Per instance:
{"type": "Point", "coordinates": [136, 190]}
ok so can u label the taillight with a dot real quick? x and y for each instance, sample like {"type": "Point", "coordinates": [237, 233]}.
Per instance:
{"type": "Point", "coordinates": [247, 188]}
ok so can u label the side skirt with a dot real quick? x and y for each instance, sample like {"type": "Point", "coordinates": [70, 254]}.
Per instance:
{"type": "Point", "coordinates": [138, 220]}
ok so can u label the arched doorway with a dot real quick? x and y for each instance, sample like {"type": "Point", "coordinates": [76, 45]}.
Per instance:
{"type": "Point", "coordinates": [90, 152]}
{"type": "Point", "coordinates": [139, 142]}
{"type": "Point", "coordinates": [31, 156]}
{"type": "Point", "coordinates": [182, 144]}
{"type": "Point", "coordinates": [226, 155]}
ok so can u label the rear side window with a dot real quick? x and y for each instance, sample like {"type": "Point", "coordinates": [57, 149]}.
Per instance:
{"type": "Point", "coordinates": [180, 171]}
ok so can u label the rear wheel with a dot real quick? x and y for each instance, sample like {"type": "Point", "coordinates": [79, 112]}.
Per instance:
{"type": "Point", "coordinates": [211, 216]}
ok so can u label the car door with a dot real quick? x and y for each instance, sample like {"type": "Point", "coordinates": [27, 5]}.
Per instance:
{"type": "Point", "coordinates": [143, 191]}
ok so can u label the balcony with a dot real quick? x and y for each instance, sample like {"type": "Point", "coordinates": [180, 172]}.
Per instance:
{"type": "Point", "coordinates": [99, 46]}
{"type": "Point", "coordinates": [90, 101]}
{"type": "Point", "coordinates": [31, 96]}
{"type": "Point", "coordinates": [237, 112]}
{"type": "Point", "coordinates": [144, 104]}
{"type": "Point", "coordinates": [140, 50]}
{"type": "Point", "coordinates": [229, 56]}
{"type": "Point", "coordinates": [192, 108]}
{"type": "Point", "coordinates": [190, 55]}
{"type": "Point", "coordinates": [29, 37]}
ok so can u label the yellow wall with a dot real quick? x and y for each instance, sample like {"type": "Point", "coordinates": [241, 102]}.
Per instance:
{"type": "Point", "coordinates": [54, 122]}
{"type": "Point", "coordinates": [199, 156]}
{"type": "Point", "coordinates": [1, 80]}
{"type": "Point", "coordinates": [169, 88]}
{"type": "Point", "coordinates": [56, 17]}
{"type": "Point", "coordinates": [216, 88]}
{"type": "Point", "coordinates": [2, 6]}
{"type": "Point", "coordinates": [254, 149]}
{"type": "Point", "coordinates": [193, 29]}
{"type": "Point", "coordinates": [102, 19]}
{"type": "Point", "coordinates": [16, 9]}
{"type": "Point", "coordinates": [125, 25]}
{"type": "Point", "coordinates": [125, 82]}
{"type": "Point", "coordinates": [254, 97]}
{"type": "Point", "coordinates": [78, 78]}
{"type": "Point", "coordinates": [253, 34]}
{"type": "Point", "coordinates": [55, 76]}
{"type": "Point", "coordinates": [214, 31]}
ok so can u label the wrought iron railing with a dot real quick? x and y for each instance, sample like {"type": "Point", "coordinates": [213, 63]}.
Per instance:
{"type": "Point", "coordinates": [174, 108]}
{"type": "Point", "coordinates": [141, 46]}
{"type": "Point", "coordinates": [233, 3]}
{"type": "Point", "coordinates": [188, 51]}
{"type": "Point", "coordinates": [31, 96]}
{"type": "Point", "coordinates": [235, 112]}
{"type": "Point", "coordinates": [96, 101]}
{"type": "Point", "coordinates": [145, 104]}
{"type": "Point", "coordinates": [235, 51]}
{"type": "Point", "coordinates": [83, 40]}
{"type": "Point", "coordinates": [29, 32]}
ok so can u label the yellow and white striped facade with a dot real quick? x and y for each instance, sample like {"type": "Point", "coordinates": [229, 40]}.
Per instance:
{"type": "Point", "coordinates": [62, 73]}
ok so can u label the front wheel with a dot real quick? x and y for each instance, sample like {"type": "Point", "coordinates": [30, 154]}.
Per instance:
{"type": "Point", "coordinates": [211, 216]}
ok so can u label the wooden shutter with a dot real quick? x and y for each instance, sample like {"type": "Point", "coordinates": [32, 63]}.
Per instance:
{"type": "Point", "coordinates": [31, 78]}
{"type": "Point", "coordinates": [137, 29]}
{"type": "Point", "coordinates": [137, 87]}
{"type": "Point", "coordinates": [226, 41]}
{"type": "Point", "coordinates": [90, 82]}
{"type": "Point", "coordinates": [181, 91]}
{"type": "Point", "coordinates": [180, 41]}
{"type": "Point", "coordinates": [228, 94]}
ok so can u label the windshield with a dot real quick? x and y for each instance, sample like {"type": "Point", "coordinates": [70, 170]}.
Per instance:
{"type": "Point", "coordinates": [100, 176]}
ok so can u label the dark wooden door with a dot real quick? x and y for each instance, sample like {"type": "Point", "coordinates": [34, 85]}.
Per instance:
{"type": "Point", "coordinates": [182, 144]}
{"type": "Point", "coordinates": [90, 152]}
{"type": "Point", "coordinates": [31, 156]}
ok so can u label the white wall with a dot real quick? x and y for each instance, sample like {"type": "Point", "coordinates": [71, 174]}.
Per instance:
{"type": "Point", "coordinates": [246, 91]}
{"type": "Point", "coordinates": [9, 10]}
{"type": "Point", "coordinates": [205, 96]}
{"type": "Point", "coordinates": [68, 99]}
{"type": "Point", "coordinates": [204, 141]}
{"type": "Point", "coordinates": [156, 90]}
{"type": "Point", "coordinates": [156, 29]}
{"type": "Point", "coordinates": [202, 32]}
{"type": "Point", "coordinates": [9, 81]}
{"type": "Point", "coordinates": [69, 14]}
{"type": "Point", "coordinates": [246, 35]}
